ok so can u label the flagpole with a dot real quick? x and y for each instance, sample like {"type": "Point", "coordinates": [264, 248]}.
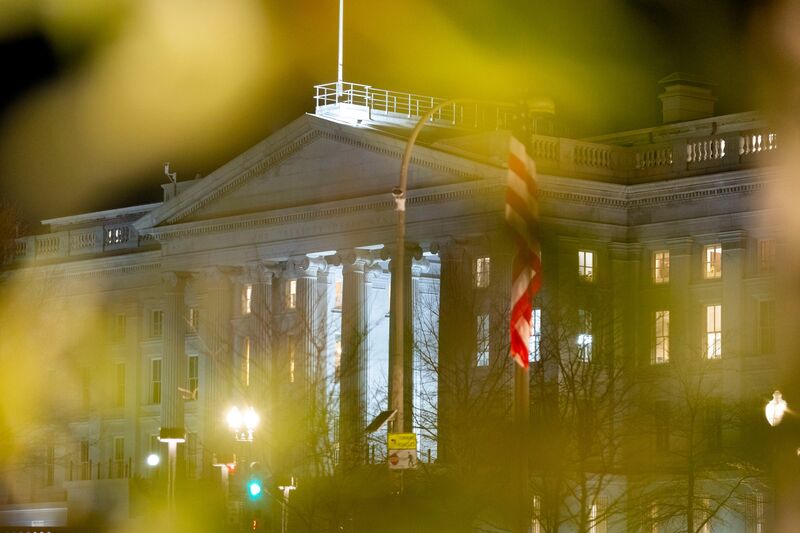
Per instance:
{"type": "Point", "coordinates": [340, 65]}
{"type": "Point", "coordinates": [521, 417]}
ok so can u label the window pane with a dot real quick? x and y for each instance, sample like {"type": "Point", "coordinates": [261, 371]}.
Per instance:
{"type": "Point", "coordinates": [586, 265]}
{"type": "Point", "coordinates": [482, 334]}
{"type": "Point", "coordinates": [713, 331]}
{"type": "Point", "coordinates": [534, 342]}
{"type": "Point", "coordinates": [661, 266]}
{"type": "Point", "coordinates": [713, 261]}
{"type": "Point", "coordinates": [482, 265]}
{"type": "Point", "coordinates": [247, 299]}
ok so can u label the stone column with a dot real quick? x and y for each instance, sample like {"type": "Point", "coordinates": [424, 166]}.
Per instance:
{"type": "Point", "coordinates": [261, 276]}
{"type": "Point", "coordinates": [681, 344]}
{"type": "Point", "coordinates": [353, 368]}
{"type": "Point", "coordinates": [455, 349]}
{"type": "Point", "coordinates": [406, 381]}
{"type": "Point", "coordinates": [310, 363]}
{"type": "Point", "coordinates": [215, 331]}
{"type": "Point", "coordinates": [174, 356]}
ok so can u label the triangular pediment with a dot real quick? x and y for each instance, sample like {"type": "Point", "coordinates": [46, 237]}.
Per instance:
{"type": "Point", "coordinates": [312, 161]}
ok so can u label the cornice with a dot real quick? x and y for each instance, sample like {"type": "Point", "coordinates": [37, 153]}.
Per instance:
{"type": "Point", "coordinates": [608, 196]}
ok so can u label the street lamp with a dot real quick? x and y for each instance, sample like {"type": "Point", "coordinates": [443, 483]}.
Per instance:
{"type": "Point", "coordinates": [243, 424]}
{"type": "Point", "coordinates": [775, 409]}
{"type": "Point", "coordinates": [153, 459]}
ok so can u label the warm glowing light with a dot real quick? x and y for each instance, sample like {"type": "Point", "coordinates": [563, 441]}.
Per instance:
{"type": "Point", "coordinates": [251, 419]}
{"type": "Point", "coordinates": [234, 418]}
{"type": "Point", "coordinates": [153, 459]}
{"type": "Point", "coordinates": [775, 409]}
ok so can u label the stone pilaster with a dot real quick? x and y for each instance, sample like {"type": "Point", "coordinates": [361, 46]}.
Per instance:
{"type": "Point", "coordinates": [680, 278]}
{"type": "Point", "coordinates": [625, 276]}
{"type": "Point", "coordinates": [733, 327]}
{"type": "Point", "coordinates": [174, 357]}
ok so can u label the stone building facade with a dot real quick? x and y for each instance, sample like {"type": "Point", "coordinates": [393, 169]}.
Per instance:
{"type": "Point", "coordinates": [266, 283]}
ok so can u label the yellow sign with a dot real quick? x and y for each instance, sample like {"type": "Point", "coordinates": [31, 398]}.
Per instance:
{"type": "Point", "coordinates": [402, 441]}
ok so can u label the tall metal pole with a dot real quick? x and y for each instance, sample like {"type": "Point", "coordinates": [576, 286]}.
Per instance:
{"type": "Point", "coordinates": [341, 48]}
{"type": "Point", "coordinates": [397, 354]}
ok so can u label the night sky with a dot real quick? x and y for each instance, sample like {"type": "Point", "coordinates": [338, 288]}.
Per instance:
{"type": "Point", "coordinates": [96, 97]}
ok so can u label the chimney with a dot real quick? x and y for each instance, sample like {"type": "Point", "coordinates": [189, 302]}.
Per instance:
{"type": "Point", "coordinates": [685, 97]}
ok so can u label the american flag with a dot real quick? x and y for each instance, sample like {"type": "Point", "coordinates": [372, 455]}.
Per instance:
{"type": "Point", "coordinates": [522, 210]}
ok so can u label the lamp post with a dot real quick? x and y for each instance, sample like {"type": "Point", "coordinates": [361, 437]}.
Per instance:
{"type": "Point", "coordinates": [243, 424]}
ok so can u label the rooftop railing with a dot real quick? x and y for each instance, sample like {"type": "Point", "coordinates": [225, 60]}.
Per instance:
{"type": "Point", "coordinates": [357, 102]}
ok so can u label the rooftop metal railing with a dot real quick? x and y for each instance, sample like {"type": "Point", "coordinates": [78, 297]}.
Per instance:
{"type": "Point", "coordinates": [382, 103]}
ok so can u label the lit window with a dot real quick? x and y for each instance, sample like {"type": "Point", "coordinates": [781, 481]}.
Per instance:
{"type": "Point", "coordinates": [534, 343]}
{"type": "Point", "coordinates": [661, 266]}
{"type": "Point", "coordinates": [536, 524]}
{"type": "Point", "coordinates": [482, 265]}
{"type": "Point", "coordinates": [156, 322]}
{"type": "Point", "coordinates": [194, 319]}
{"type": "Point", "coordinates": [713, 331]}
{"type": "Point", "coordinates": [597, 516]}
{"type": "Point", "coordinates": [661, 344]}
{"type": "Point", "coordinates": [291, 294]}
{"type": "Point", "coordinates": [194, 375]}
{"type": "Point", "coordinates": [585, 339]}
{"type": "Point", "coordinates": [766, 326]}
{"type": "Point", "coordinates": [119, 396]}
{"type": "Point", "coordinates": [119, 326]}
{"type": "Point", "coordinates": [245, 361]}
{"type": "Point", "coordinates": [482, 337]}
{"type": "Point", "coordinates": [119, 458]}
{"type": "Point", "coordinates": [713, 261]}
{"type": "Point", "coordinates": [155, 381]}
{"type": "Point", "coordinates": [337, 287]}
{"type": "Point", "coordinates": [291, 358]}
{"type": "Point", "coordinates": [766, 255]}
{"type": "Point", "coordinates": [117, 235]}
{"type": "Point", "coordinates": [586, 265]}
{"type": "Point", "coordinates": [247, 299]}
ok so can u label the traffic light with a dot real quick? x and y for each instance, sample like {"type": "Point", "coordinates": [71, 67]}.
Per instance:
{"type": "Point", "coordinates": [257, 504]}
{"type": "Point", "coordinates": [254, 488]}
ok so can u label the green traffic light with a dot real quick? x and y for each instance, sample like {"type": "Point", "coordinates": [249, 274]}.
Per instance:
{"type": "Point", "coordinates": [254, 488]}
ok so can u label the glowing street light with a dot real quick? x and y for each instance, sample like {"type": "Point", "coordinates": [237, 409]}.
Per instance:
{"type": "Point", "coordinates": [775, 409]}
{"type": "Point", "coordinates": [153, 459]}
{"type": "Point", "coordinates": [243, 424]}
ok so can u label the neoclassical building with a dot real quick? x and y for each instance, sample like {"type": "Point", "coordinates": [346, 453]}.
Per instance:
{"type": "Point", "coordinates": [267, 283]}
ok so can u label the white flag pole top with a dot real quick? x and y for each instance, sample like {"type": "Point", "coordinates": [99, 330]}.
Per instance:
{"type": "Point", "coordinates": [341, 46]}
